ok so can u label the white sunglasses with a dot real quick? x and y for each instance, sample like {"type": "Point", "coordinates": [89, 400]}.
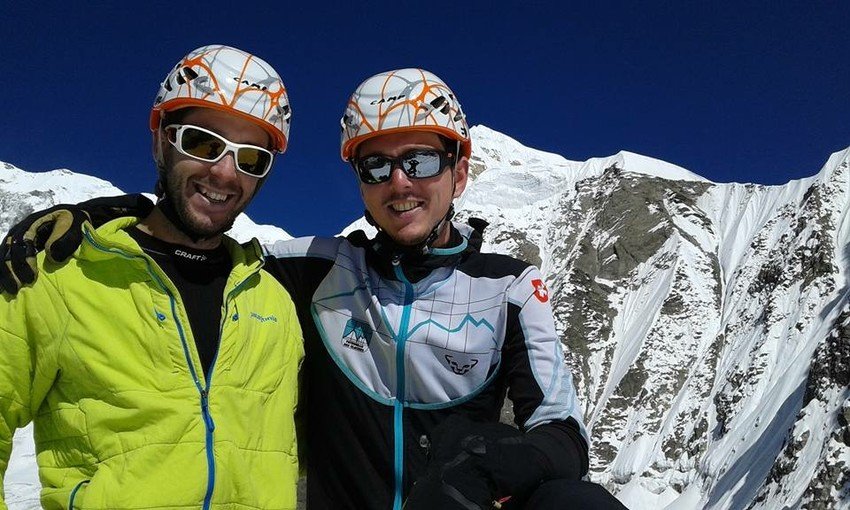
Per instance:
{"type": "Point", "coordinates": [203, 144]}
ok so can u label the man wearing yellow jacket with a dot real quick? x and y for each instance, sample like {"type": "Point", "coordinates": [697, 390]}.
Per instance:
{"type": "Point", "coordinates": [155, 361]}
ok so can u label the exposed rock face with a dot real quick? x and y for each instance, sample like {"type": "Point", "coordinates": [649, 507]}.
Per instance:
{"type": "Point", "coordinates": [703, 321]}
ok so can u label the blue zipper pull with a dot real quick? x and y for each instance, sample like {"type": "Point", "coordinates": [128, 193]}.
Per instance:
{"type": "Point", "coordinates": [205, 408]}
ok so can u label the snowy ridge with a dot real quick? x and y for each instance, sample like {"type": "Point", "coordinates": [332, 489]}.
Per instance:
{"type": "Point", "coordinates": [23, 192]}
{"type": "Point", "coordinates": [631, 162]}
{"type": "Point", "coordinates": [62, 184]}
{"type": "Point", "coordinates": [707, 325]}
{"type": "Point", "coordinates": [244, 229]}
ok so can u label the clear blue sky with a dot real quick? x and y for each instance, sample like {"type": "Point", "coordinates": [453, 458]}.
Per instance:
{"type": "Point", "coordinates": [734, 91]}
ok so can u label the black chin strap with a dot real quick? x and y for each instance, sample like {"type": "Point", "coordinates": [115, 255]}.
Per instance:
{"type": "Point", "coordinates": [426, 245]}
{"type": "Point", "coordinates": [423, 247]}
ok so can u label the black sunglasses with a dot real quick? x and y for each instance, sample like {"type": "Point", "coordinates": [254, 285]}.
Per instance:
{"type": "Point", "coordinates": [416, 164]}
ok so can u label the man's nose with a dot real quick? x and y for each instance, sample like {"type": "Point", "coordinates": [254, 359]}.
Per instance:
{"type": "Point", "coordinates": [399, 177]}
{"type": "Point", "coordinates": [225, 167]}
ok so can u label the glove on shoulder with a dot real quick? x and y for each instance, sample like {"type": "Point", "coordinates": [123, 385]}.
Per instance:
{"type": "Point", "coordinates": [58, 231]}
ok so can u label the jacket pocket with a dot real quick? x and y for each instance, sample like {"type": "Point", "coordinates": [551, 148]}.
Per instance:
{"type": "Point", "coordinates": [256, 349]}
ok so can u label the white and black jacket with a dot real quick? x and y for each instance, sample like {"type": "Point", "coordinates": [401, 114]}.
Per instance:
{"type": "Point", "coordinates": [395, 344]}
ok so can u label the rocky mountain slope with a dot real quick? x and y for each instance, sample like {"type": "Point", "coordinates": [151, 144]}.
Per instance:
{"type": "Point", "coordinates": [707, 324]}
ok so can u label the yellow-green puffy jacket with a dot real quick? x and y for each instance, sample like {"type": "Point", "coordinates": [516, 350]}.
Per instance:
{"type": "Point", "coordinates": [99, 354]}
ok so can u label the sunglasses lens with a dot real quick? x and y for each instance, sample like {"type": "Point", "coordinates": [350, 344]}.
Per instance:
{"type": "Point", "coordinates": [254, 162]}
{"type": "Point", "coordinates": [201, 145]}
{"type": "Point", "coordinates": [422, 164]}
{"type": "Point", "coordinates": [374, 169]}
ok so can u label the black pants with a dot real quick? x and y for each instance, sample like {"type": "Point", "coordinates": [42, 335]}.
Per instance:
{"type": "Point", "coordinates": [568, 495]}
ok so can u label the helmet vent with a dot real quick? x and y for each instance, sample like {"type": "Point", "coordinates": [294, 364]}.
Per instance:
{"type": "Point", "coordinates": [350, 119]}
{"type": "Point", "coordinates": [440, 103]}
{"type": "Point", "coordinates": [186, 75]}
{"type": "Point", "coordinates": [282, 113]}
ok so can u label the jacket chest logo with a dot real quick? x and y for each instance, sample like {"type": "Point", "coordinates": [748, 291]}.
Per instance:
{"type": "Point", "coordinates": [260, 318]}
{"type": "Point", "coordinates": [460, 367]}
{"type": "Point", "coordinates": [357, 335]}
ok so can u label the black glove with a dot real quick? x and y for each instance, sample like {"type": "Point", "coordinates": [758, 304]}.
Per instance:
{"type": "Point", "coordinates": [431, 493]}
{"type": "Point", "coordinates": [58, 230]}
{"type": "Point", "coordinates": [474, 464]}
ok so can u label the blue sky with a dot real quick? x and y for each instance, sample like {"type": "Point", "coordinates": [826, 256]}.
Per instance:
{"type": "Point", "coordinates": [734, 91]}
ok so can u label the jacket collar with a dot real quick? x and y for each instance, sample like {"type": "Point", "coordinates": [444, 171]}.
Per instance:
{"type": "Point", "coordinates": [382, 253]}
{"type": "Point", "coordinates": [111, 239]}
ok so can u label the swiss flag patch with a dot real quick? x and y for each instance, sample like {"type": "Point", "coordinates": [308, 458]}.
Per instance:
{"type": "Point", "coordinates": [540, 290]}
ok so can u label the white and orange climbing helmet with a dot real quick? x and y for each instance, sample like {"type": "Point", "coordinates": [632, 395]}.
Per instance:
{"type": "Point", "coordinates": [402, 100]}
{"type": "Point", "coordinates": [231, 80]}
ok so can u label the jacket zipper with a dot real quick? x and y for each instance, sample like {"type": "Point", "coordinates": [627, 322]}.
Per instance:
{"type": "Point", "coordinates": [203, 391]}
{"type": "Point", "coordinates": [205, 399]}
{"type": "Point", "coordinates": [400, 402]}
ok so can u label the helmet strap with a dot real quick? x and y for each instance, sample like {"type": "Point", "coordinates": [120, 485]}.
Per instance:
{"type": "Point", "coordinates": [423, 247]}
{"type": "Point", "coordinates": [158, 155]}
{"type": "Point", "coordinates": [427, 245]}
{"type": "Point", "coordinates": [371, 220]}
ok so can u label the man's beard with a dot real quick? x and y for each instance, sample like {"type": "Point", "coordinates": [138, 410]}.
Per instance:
{"type": "Point", "coordinates": [176, 208]}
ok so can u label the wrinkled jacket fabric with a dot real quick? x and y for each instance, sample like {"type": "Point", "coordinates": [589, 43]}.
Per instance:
{"type": "Point", "coordinates": [396, 345]}
{"type": "Point", "coordinates": [98, 353]}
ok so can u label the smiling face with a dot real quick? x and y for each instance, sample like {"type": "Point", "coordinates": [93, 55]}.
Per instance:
{"type": "Point", "coordinates": [209, 196]}
{"type": "Point", "coordinates": [408, 209]}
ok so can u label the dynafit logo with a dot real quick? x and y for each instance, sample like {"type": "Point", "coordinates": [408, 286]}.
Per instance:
{"type": "Point", "coordinates": [460, 367]}
{"type": "Point", "coordinates": [540, 290]}
{"type": "Point", "coordinates": [356, 335]}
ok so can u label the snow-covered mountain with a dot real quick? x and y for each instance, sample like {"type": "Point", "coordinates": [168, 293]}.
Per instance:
{"type": "Point", "coordinates": [708, 325]}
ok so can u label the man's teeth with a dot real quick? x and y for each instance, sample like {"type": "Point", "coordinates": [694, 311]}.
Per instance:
{"type": "Point", "coordinates": [404, 206]}
{"type": "Point", "coordinates": [213, 196]}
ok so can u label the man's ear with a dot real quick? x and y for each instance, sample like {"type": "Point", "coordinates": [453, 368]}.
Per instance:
{"type": "Point", "coordinates": [461, 171]}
